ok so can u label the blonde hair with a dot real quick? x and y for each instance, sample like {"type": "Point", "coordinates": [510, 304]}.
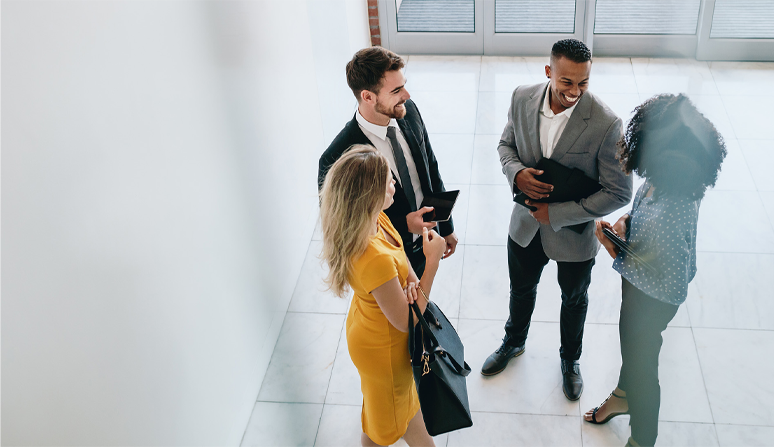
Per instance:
{"type": "Point", "coordinates": [351, 198]}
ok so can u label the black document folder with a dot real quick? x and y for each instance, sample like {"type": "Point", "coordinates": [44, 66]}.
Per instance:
{"type": "Point", "coordinates": [570, 185]}
{"type": "Point", "coordinates": [624, 247]}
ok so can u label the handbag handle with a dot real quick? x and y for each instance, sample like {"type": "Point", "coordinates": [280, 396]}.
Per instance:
{"type": "Point", "coordinates": [463, 370]}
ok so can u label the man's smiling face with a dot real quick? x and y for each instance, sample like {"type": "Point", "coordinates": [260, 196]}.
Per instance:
{"type": "Point", "coordinates": [569, 80]}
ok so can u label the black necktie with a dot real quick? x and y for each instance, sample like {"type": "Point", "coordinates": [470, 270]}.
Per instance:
{"type": "Point", "coordinates": [400, 160]}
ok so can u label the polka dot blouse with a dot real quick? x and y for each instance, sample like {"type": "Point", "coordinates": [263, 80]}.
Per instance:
{"type": "Point", "coordinates": [662, 230]}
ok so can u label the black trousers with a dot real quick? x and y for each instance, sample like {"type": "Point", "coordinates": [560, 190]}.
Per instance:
{"type": "Point", "coordinates": [525, 266]}
{"type": "Point", "coordinates": [643, 319]}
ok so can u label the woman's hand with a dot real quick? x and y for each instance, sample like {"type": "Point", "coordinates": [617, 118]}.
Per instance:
{"type": "Point", "coordinates": [607, 243]}
{"type": "Point", "coordinates": [621, 225]}
{"type": "Point", "coordinates": [433, 245]}
{"type": "Point", "coordinates": [411, 292]}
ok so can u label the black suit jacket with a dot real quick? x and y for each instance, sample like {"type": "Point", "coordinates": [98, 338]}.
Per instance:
{"type": "Point", "coordinates": [414, 131]}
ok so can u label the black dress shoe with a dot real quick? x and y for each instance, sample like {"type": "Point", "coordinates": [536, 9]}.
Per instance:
{"type": "Point", "coordinates": [497, 362]}
{"type": "Point", "coordinates": [572, 382]}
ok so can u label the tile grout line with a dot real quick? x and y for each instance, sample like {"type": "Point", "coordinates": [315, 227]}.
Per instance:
{"type": "Point", "coordinates": [704, 383]}
{"type": "Point", "coordinates": [333, 365]}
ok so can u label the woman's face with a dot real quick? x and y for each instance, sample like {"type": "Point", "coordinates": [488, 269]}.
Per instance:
{"type": "Point", "coordinates": [389, 192]}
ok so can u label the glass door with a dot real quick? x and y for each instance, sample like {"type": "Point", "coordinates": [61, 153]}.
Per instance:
{"type": "Point", "coordinates": [433, 26]}
{"type": "Point", "coordinates": [741, 30]}
{"type": "Point", "coordinates": [530, 27]}
{"type": "Point", "coordinates": [646, 28]}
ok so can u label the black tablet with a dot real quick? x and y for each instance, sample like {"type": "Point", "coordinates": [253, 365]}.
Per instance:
{"type": "Point", "coordinates": [624, 247]}
{"type": "Point", "coordinates": [442, 203]}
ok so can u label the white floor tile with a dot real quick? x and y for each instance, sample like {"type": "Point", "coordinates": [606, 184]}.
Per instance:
{"type": "Point", "coordinates": [302, 361]}
{"type": "Point", "coordinates": [748, 125]}
{"type": "Point", "coordinates": [616, 432]}
{"type": "Point", "coordinates": [498, 429]}
{"type": "Point", "coordinates": [487, 169]}
{"type": "Point", "coordinates": [734, 223]}
{"type": "Point", "coordinates": [622, 104]}
{"type": "Point", "coordinates": [310, 294]}
{"type": "Point", "coordinates": [733, 291]}
{"type": "Point", "coordinates": [767, 197]}
{"type": "Point", "coordinates": [460, 211]}
{"type": "Point", "coordinates": [282, 424]}
{"type": "Point", "coordinates": [744, 435]}
{"type": "Point", "coordinates": [612, 75]}
{"type": "Point", "coordinates": [743, 78]}
{"type": "Point", "coordinates": [443, 73]}
{"type": "Point", "coordinates": [735, 171]}
{"type": "Point", "coordinates": [759, 155]}
{"type": "Point", "coordinates": [713, 107]}
{"type": "Point", "coordinates": [454, 153]}
{"type": "Point", "coordinates": [447, 286]}
{"type": "Point", "coordinates": [532, 382]}
{"type": "Point", "coordinates": [683, 398]}
{"type": "Point", "coordinates": [485, 284]}
{"type": "Point", "coordinates": [492, 112]}
{"type": "Point", "coordinates": [344, 385]}
{"type": "Point", "coordinates": [340, 427]}
{"type": "Point", "coordinates": [662, 75]}
{"type": "Point", "coordinates": [447, 112]}
{"type": "Point", "coordinates": [737, 367]}
{"type": "Point", "coordinates": [489, 214]}
{"type": "Point", "coordinates": [505, 73]}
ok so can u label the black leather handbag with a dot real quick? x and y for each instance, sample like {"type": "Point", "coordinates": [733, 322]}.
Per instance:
{"type": "Point", "coordinates": [438, 362]}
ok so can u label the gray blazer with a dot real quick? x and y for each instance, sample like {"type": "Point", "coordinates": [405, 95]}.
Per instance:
{"type": "Point", "coordinates": [587, 143]}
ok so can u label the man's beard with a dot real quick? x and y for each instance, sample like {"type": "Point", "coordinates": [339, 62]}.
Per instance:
{"type": "Point", "coordinates": [392, 113]}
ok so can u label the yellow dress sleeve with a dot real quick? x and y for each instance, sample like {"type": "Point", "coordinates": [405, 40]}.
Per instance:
{"type": "Point", "coordinates": [377, 271]}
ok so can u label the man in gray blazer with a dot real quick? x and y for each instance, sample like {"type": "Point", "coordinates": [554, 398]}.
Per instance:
{"type": "Point", "coordinates": [559, 120]}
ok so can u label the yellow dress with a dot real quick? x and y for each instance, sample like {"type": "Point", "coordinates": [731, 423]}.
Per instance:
{"type": "Point", "coordinates": [377, 348]}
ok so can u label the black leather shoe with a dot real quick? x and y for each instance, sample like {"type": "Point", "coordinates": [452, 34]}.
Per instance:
{"type": "Point", "coordinates": [497, 362]}
{"type": "Point", "coordinates": [572, 382]}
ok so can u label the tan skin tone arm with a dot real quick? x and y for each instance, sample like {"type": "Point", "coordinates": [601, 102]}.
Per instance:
{"type": "Point", "coordinates": [394, 301]}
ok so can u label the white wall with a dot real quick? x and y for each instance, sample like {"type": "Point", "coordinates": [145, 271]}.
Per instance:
{"type": "Point", "coordinates": [158, 197]}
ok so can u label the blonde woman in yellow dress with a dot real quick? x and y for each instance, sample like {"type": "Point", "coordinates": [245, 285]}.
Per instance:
{"type": "Point", "coordinates": [364, 252]}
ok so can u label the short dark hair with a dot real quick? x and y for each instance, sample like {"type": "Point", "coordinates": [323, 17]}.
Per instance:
{"type": "Point", "coordinates": [367, 68]}
{"type": "Point", "coordinates": [572, 49]}
{"type": "Point", "coordinates": [670, 143]}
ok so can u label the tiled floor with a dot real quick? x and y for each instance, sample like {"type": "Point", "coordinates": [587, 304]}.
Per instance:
{"type": "Point", "coordinates": [716, 363]}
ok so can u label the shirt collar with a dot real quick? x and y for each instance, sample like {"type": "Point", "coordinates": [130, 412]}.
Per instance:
{"type": "Point", "coordinates": [547, 106]}
{"type": "Point", "coordinates": [379, 131]}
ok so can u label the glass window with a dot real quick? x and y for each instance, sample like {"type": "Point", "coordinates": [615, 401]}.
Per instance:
{"type": "Point", "coordinates": [535, 16]}
{"type": "Point", "coordinates": [646, 16]}
{"type": "Point", "coordinates": [743, 19]}
{"type": "Point", "coordinates": [449, 16]}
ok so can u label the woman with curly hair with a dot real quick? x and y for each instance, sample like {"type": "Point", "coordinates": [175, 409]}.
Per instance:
{"type": "Point", "coordinates": [364, 252]}
{"type": "Point", "coordinates": [679, 152]}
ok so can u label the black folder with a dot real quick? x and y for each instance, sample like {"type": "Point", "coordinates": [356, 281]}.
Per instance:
{"type": "Point", "coordinates": [570, 184]}
{"type": "Point", "coordinates": [624, 247]}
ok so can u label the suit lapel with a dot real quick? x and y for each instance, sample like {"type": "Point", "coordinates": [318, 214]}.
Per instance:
{"type": "Point", "coordinates": [417, 154]}
{"type": "Point", "coordinates": [533, 124]}
{"type": "Point", "coordinates": [575, 127]}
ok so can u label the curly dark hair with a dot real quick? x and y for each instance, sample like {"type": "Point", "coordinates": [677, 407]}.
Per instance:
{"type": "Point", "coordinates": [670, 143]}
{"type": "Point", "coordinates": [572, 49]}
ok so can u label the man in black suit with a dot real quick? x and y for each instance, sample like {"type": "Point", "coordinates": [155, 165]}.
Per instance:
{"type": "Point", "coordinates": [389, 120]}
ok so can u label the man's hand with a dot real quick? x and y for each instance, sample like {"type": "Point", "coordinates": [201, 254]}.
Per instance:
{"type": "Point", "coordinates": [451, 245]}
{"type": "Point", "coordinates": [415, 222]}
{"type": "Point", "coordinates": [533, 188]}
{"type": "Point", "coordinates": [541, 215]}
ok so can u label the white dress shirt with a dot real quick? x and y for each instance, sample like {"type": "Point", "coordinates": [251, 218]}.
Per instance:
{"type": "Point", "coordinates": [552, 125]}
{"type": "Point", "coordinates": [378, 136]}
